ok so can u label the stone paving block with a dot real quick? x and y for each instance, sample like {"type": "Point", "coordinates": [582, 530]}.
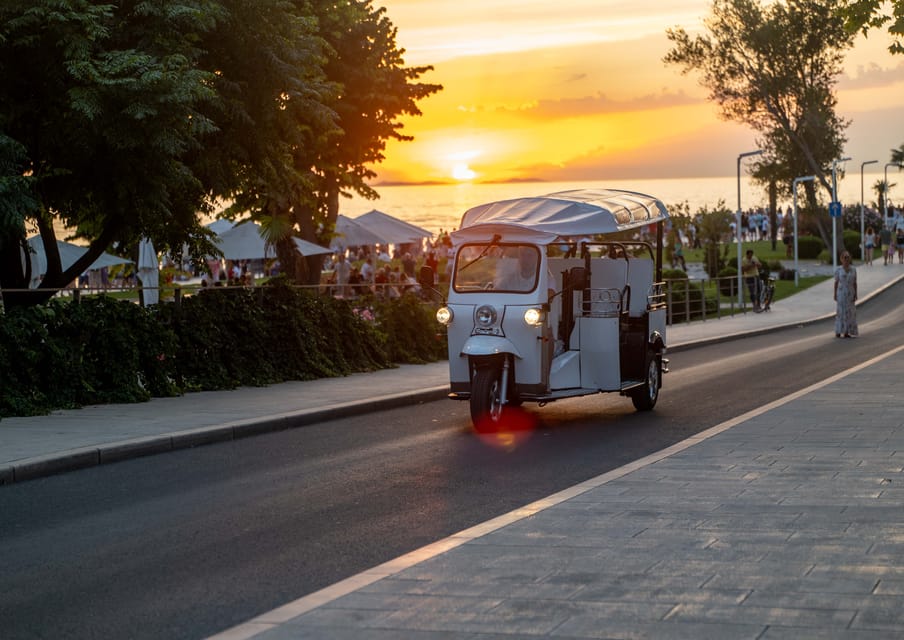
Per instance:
{"type": "Point", "coordinates": [765, 583]}
{"type": "Point", "coordinates": [479, 587]}
{"type": "Point", "coordinates": [859, 602]}
{"type": "Point", "coordinates": [843, 568]}
{"type": "Point", "coordinates": [890, 586]}
{"type": "Point", "coordinates": [775, 632]}
{"type": "Point", "coordinates": [660, 591]}
{"type": "Point", "coordinates": [742, 614]}
{"type": "Point", "coordinates": [881, 617]}
{"type": "Point", "coordinates": [528, 618]}
{"type": "Point", "coordinates": [614, 630]}
{"type": "Point", "coordinates": [290, 632]}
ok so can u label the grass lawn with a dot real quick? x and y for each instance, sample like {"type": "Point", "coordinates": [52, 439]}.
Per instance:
{"type": "Point", "coordinates": [761, 249]}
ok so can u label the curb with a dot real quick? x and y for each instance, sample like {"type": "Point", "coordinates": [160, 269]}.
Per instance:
{"type": "Point", "coordinates": [51, 464]}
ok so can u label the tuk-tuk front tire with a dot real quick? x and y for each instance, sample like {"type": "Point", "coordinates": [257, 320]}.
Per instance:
{"type": "Point", "coordinates": [645, 396]}
{"type": "Point", "coordinates": [486, 397]}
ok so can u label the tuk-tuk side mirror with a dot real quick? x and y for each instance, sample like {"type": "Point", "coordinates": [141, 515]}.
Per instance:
{"type": "Point", "coordinates": [425, 277]}
{"type": "Point", "coordinates": [577, 277]}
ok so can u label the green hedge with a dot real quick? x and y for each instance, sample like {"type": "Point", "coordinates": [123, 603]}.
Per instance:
{"type": "Point", "coordinates": [100, 350]}
{"type": "Point", "coordinates": [809, 247]}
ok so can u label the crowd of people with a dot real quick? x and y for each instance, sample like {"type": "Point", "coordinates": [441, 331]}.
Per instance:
{"type": "Point", "coordinates": [371, 270]}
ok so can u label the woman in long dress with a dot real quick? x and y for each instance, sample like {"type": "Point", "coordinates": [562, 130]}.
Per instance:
{"type": "Point", "coordinates": [845, 298]}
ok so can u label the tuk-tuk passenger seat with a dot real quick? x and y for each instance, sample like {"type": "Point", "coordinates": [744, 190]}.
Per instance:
{"type": "Point", "coordinates": [640, 279]}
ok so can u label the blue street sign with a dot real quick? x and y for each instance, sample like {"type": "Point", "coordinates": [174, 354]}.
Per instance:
{"type": "Point", "coordinates": [835, 209]}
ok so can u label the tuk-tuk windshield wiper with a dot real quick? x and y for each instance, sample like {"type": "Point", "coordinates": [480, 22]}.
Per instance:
{"type": "Point", "coordinates": [493, 243]}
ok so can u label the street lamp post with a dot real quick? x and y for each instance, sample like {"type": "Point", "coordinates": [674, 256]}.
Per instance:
{"type": "Point", "coordinates": [862, 204]}
{"type": "Point", "coordinates": [738, 224]}
{"type": "Point", "coordinates": [794, 192]}
{"type": "Point", "coordinates": [885, 186]}
{"type": "Point", "coordinates": [834, 219]}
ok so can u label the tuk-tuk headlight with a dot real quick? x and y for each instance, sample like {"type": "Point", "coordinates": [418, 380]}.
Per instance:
{"type": "Point", "coordinates": [444, 315]}
{"type": "Point", "coordinates": [533, 317]}
{"type": "Point", "coordinates": [485, 317]}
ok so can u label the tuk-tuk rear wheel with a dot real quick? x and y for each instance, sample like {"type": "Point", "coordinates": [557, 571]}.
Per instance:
{"type": "Point", "coordinates": [486, 396]}
{"type": "Point", "coordinates": [645, 396]}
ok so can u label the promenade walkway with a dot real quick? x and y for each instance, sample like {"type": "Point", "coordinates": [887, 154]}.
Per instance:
{"type": "Point", "coordinates": [785, 522]}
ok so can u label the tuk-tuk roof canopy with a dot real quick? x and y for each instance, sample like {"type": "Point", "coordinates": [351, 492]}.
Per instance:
{"type": "Point", "coordinates": [576, 213]}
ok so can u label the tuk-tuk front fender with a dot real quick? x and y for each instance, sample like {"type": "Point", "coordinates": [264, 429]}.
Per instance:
{"type": "Point", "coordinates": [489, 346]}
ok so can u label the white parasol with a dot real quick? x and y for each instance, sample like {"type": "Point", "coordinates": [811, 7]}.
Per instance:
{"type": "Point", "coordinates": [148, 271]}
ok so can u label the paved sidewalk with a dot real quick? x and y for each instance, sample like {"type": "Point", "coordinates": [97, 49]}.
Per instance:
{"type": "Point", "coordinates": [65, 440]}
{"type": "Point", "coordinates": [784, 523]}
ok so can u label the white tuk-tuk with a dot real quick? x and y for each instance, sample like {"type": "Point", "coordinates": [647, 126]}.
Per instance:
{"type": "Point", "coordinates": [549, 300]}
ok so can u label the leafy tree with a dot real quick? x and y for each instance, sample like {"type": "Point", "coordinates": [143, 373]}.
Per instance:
{"type": "Point", "coordinates": [148, 112]}
{"type": "Point", "coordinates": [275, 107]}
{"type": "Point", "coordinates": [102, 134]}
{"type": "Point", "coordinates": [374, 90]}
{"type": "Point", "coordinates": [774, 67]}
{"type": "Point", "coordinates": [864, 15]}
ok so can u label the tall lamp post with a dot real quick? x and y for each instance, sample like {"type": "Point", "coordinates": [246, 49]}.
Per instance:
{"type": "Point", "coordinates": [834, 219]}
{"type": "Point", "coordinates": [794, 192]}
{"type": "Point", "coordinates": [738, 223]}
{"type": "Point", "coordinates": [885, 186]}
{"type": "Point", "coordinates": [862, 204]}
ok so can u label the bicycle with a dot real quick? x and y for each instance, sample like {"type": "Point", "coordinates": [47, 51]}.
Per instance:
{"type": "Point", "coordinates": [767, 292]}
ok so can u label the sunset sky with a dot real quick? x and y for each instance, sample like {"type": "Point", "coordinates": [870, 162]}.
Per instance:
{"type": "Point", "coordinates": [576, 89]}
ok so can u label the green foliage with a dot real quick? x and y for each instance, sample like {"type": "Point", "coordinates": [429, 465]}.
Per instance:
{"type": "Point", "coordinates": [410, 329]}
{"type": "Point", "coordinates": [674, 274]}
{"type": "Point", "coordinates": [809, 247]}
{"type": "Point", "coordinates": [712, 226]}
{"type": "Point", "coordinates": [687, 299]}
{"type": "Point", "coordinates": [101, 350]}
{"type": "Point", "coordinates": [147, 113]}
{"type": "Point", "coordinates": [728, 281]}
{"type": "Point", "coordinates": [851, 241]}
{"type": "Point", "coordinates": [773, 67]}
{"type": "Point", "coordinates": [64, 355]}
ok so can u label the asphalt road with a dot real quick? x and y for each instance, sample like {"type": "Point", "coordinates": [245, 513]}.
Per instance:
{"type": "Point", "coordinates": [189, 543]}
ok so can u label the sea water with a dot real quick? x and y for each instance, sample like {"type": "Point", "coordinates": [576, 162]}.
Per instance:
{"type": "Point", "coordinates": [435, 207]}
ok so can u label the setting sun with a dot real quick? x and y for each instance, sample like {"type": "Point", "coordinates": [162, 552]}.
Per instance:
{"type": "Point", "coordinates": [578, 90]}
{"type": "Point", "coordinates": [462, 171]}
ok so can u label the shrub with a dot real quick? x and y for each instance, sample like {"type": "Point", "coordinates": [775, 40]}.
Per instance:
{"type": "Point", "coordinates": [728, 281]}
{"type": "Point", "coordinates": [687, 299]}
{"type": "Point", "coordinates": [809, 247]}
{"type": "Point", "coordinates": [851, 241]}
{"type": "Point", "coordinates": [66, 354]}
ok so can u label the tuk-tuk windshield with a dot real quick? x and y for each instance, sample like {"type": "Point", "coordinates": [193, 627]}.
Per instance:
{"type": "Point", "coordinates": [509, 268]}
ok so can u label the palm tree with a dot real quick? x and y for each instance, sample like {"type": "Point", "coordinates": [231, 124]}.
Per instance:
{"type": "Point", "coordinates": [897, 155]}
{"type": "Point", "coordinates": [881, 188]}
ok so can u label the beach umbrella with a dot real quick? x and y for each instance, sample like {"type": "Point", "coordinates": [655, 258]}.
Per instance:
{"type": "Point", "coordinates": [69, 253]}
{"type": "Point", "coordinates": [220, 226]}
{"type": "Point", "coordinates": [350, 233]}
{"type": "Point", "coordinates": [245, 242]}
{"type": "Point", "coordinates": [392, 229]}
{"type": "Point", "coordinates": [148, 271]}
{"type": "Point", "coordinates": [309, 248]}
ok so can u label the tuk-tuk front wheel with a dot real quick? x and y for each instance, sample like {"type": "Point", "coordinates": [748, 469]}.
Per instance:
{"type": "Point", "coordinates": [486, 397]}
{"type": "Point", "coordinates": [645, 396]}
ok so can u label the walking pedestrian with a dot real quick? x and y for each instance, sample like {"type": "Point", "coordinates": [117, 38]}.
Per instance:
{"type": "Point", "coordinates": [845, 298]}
{"type": "Point", "coordinates": [869, 243]}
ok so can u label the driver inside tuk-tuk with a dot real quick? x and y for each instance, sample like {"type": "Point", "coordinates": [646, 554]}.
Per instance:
{"type": "Point", "coordinates": [516, 269]}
